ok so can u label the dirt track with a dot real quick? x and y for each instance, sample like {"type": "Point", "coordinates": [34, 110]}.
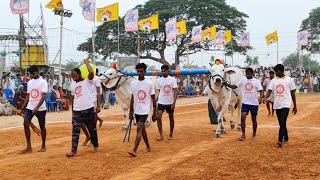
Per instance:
{"type": "Point", "coordinates": [194, 154]}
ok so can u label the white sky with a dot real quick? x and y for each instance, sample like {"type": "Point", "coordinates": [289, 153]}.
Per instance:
{"type": "Point", "coordinates": [265, 16]}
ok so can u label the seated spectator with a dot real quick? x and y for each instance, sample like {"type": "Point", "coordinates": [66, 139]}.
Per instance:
{"type": "Point", "coordinates": [20, 96]}
{"type": "Point", "coordinates": [64, 99]}
{"type": "Point", "coordinates": [4, 109]}
{"type": "Point", "coordinates": [57, 98]}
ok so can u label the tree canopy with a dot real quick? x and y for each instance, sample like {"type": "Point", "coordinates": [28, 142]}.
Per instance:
{"type": "Point", "coordinates": [252, 60]}
{"type": "Point", "coordinates": [312, 24]}
{"type": "Point", "coordinates": [292, 61]}
{"type": "Point", "coordinates": [153, 44]}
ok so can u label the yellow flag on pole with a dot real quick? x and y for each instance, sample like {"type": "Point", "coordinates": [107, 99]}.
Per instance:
{"type": "Point", "coordinates": [227, 37]}
{"type": "Point", "coordinates": [150, 23]}
{"type": "Point", "coordinates": [108, 13]}
{"type": "Point", "coordinates": [54, 4]}
{"type": "Point", "coordinates": [181, 27]}
{"type": "Point", "coordinates": [272, 38]}
{"type": "Point", "coordinates": [209, 34]}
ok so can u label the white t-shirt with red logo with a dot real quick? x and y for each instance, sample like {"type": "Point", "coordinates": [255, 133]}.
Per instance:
{"type": "Point", "coordinates": [281, 88]}
{"type": "Point", "coordinates": [166, 86]}
{"type": "Point", "coordinates": [96, 83]}
{"type": "Point", "coordinates": [82, 94]}
{"type": "Point", "coordinates": [35, 88]}
{"type": "Point", "coordinates": [250, 88]}
{"type": "Point", "coordinates": [142, 91]}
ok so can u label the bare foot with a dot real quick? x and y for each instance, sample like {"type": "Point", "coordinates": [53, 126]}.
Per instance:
{"type": "Point", "coordinates": [90, 144]}
{"type": "Point", "coordinates": [43, 149]}
{"type": "Point", "coordinates": [147, 150]}
{"type": "Point", "coordinates": [85, 142]}
{"type": "Point", "coordinates": [242, 138]}
{"type": "Point", "coordinates": [279, 144]}
{"type": "Point", "coordinates": [71, 154]}
{"type": "Point", "coordinates": [96, 149]}
{"type": "Point", "coordinates": [170, 138]}
{"type": "Point", "coordinates": [269, 114]}
{"type": "Point", "coordinates": [26, 150]}
{"type": "Point", "coordinates": [160, 139]}
{"type": "Point", "coordinates": [253, 137]}
{"type": "Point", "coordinates": [100, 124]}
{"type": "Point", "coordinates": [133, 154]}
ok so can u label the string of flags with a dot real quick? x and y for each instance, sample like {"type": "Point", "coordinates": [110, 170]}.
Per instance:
{"type": "Point", "coordinates": [172, 27]}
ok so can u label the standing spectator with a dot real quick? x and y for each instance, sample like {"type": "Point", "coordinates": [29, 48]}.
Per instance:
{"type": "Point", "coordinates": [17, 82]}
{"type": "Point", "coordinates": [315, 83]}
{"type": "Point", "coordinates": [12, 84]}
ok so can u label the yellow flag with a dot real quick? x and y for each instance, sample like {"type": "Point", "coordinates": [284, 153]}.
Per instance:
{"type": "Point", "coordinates": [181, 27]}
{"type": "Point", "coordinates": [227, 37]}
{"type": "Point", "coordinates": [272, 38]}
{"type": "Point", "coordinates": [150, 23]}
{"type": "Point", "coordinates": [54, 4]}
{"type": "Point", "coordinates": [108, 13]}
{"type": "Point", "coordinates": [209, 34]}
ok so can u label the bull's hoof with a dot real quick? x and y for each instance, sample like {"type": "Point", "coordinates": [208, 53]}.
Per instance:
{"type": "Point", "coordinates": [218, 135]}
{"type": "Point", "coordinates": [124, 128]}
{"type": "Point", "coordinates": [223, 132]}
{"type": "Point", "coordinates": [239, 128]}
{"type": "Point", "coordinates": [232, 126]}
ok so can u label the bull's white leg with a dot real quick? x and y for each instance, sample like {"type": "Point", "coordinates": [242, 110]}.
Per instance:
{"type": "Point", "coordinates": [220, 129]}
{"type": "Point", "coordinates": [126, 118]}
{"type": "Point", "coordinates": [239, 114]}
{"type": "Point", "coordinates": [232, 125]}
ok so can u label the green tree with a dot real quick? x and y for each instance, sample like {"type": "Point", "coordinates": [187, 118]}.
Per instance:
{"type": "Point", "coordinates": [252, 60]}
{"type": "Point", "coordinates": [312, 24]}
{"type": "Point", "coordinates": [292, 61]}
{"type": "Point", "coordinates": [153, 44]}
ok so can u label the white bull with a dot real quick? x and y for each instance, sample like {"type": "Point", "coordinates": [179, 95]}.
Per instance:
{"type": "Point", "coordinates": [121, 85]}
{"type": "Point", "coordinates": [223, 97]}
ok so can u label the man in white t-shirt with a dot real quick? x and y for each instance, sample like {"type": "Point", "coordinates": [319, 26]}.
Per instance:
{"type": "Point", "coordinates": [34, 105]}
{"type": "Point", "coordinates": [96, 98]}
{"type": "Point", "coordinates": [142, 92]}
{"type": "Point", "coordinates": [82, 108]}
{"type": "Point", "coordinates": [265, 89]}
{"type": "Point", "coordinates": [167, 98]}
{"type": "Point", "coordinates": [250, 102]}
{"type": "Point", "coordinates": [284, 89]}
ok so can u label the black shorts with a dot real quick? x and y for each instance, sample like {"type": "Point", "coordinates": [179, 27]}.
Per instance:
{"type": "Point", "coordinates": [41, 115]}
{"type": "Point", "coordinates": [168, 109]}
{"type": "Point", "coordinates": [141, 118]}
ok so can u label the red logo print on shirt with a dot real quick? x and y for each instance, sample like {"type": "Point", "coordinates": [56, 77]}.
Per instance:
{"type": "Point", "coordinates": [280, 89]}
{"type": "Point", "coordinates": [34, 93]}
{"type": "Point", "coordinates": [248, 87]}
{"type": "Point", "coordinates": [78, 91]}
{"type": "Point", "coordinates": [167, 89]}
{"type": "Point", "coordinates": [142, 95]}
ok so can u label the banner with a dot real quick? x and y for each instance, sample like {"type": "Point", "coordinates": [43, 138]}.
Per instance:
{"type": "Point", "coordinates": [219, 38]}
{"type": "Point", "coordinates": [131, 20]}
{"type": "Point", "coordinates": [245, 40]}
{"type": "Point", "coordinates": [227, 37]}
{"type": "Point", "coordinates": [54, 4]}
{"type": "Point", "coordinates": [196, 34]}
{"type": "Point", "coordinates": [272, 38]}
{"type": "Point", "coordinates": [171, 30]}
{"type": "Point", "coordinates": [181, 27]}
{"type": "Point", "coordinates": [303, 38]}
{"type": "Point", "coordinates": [209, 34]}
{"type": "Point", "coordinates": [88, 9]}
{"type": "Point", "coordinates": [108, 13]}
{"type": "Point", "coordinates": [150, 23]}
{"type": "Point", "coordinates": [19, 6]}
